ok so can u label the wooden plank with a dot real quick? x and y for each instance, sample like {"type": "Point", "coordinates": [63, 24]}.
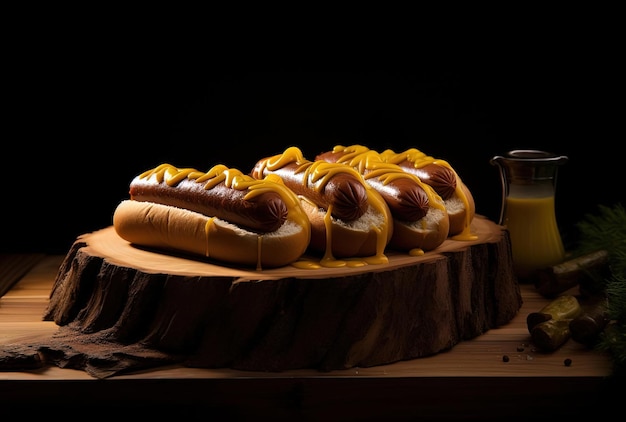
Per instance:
{"type": "Point", "coordinates": [22, 308]}
{"type": "Point", "coordinates": [470, 382]}
{"type": "Point", "coordinates": [13, 267]}
{"type": "Point", "coordinates": [28, 298]}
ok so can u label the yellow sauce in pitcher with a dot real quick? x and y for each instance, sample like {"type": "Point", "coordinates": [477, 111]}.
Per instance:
{"type": "Point", "coordinates": [535, 239]}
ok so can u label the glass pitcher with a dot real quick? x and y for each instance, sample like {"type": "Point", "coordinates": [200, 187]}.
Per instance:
{"type": "Point", "coordinates": [528, 208]}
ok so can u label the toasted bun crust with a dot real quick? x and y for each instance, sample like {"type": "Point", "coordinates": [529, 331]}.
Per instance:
{"type": "Point", "coordinates": [177, 229]}
{"type": "Point", "coordinates": [366, 236]}
{"type": "Point", "coordinates": [458, 212]}
{"type": "Point", "coordinates": [426, 234]}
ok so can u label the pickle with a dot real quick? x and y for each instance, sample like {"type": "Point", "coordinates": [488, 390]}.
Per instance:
{"type": "Point", "coordinates": [587, 326]}
{"type": "Point", "coordinates": [550, 327]}
{"type": "Point", "coordinates": [550, 335]}
{"type": "Point", "coordinates": [582, 271]}
{"type": "Point", "coordinates": [563, 307]}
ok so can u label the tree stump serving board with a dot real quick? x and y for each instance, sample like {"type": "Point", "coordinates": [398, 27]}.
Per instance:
{"type": "Point", "coordinates": [213, 316]}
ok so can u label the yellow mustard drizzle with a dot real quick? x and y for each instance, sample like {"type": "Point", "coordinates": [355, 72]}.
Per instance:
{"type": "Point", "coordinates": [416, 252]}
{"type": "Point", "coordinates": [316, 174]}
{"type": "Point", "coordinates": [208, 228]}
{"type": "Point", "coordinates": [365, 160]}
{"type": "Point", "coordinates": [234, 179]}
{"type": "Point", "coordinates": [168, 173]}
{"type": "Point", "coordinates": [259, 252]}
{"type": "Point", "coordinates": [382, 232]}
{"type": "Point", "coordinates": [419, 160]}
{"type": "Point", "coordinates": [328, 260]}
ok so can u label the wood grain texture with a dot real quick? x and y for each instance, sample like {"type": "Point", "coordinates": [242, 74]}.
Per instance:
{"type": "Point", "coordinates": [281, 319]}
{"type": "Point", "coordinates": [21, 311]}
{"type": "Point", "coordinates": [468, 382]}
{"type": "Point", "coordinates": [14, 266]}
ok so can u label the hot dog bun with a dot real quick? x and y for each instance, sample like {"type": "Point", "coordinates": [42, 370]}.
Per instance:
{"type": "Point", "coordinates": [174, 228]}
{"type": "Point", "coordinates": [321, 186]}
{"type": "Point", "coordinates": [461, 210]}
{"type": "Point", "coordinates": [364, 237]}
{"type": "Point", "coordinates": [420, 219]}
{"type": "Point", "coordinates": [171, 228]}
{"type": "Point", "coordinates": [440, 175]}
{"type": "Point", "coordinates": [425, 235]}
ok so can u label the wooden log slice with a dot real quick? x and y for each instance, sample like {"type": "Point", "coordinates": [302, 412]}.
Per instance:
{"type": "Point", "coordinates": [287, 318]}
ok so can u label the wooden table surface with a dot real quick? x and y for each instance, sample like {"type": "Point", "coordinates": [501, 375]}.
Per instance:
{"type": "Point", "coordinates": [472, 380]}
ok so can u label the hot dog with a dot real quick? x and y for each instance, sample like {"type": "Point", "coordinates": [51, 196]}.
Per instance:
{"type": "Point", "coordinates": [420, 219]}
{"type": "Point", "coordinates": [445, 181]}
{"type": "Point", "coordinates": [222, 214]}
{"type": "Point", "coordinates": [323, 185]}
{"type": "Point", "coordinates": [213, 196]}
{"type": "Point", "coordinates": [348, 218]}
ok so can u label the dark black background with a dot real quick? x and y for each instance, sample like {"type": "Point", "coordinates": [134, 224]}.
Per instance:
{"type": "Point", "coordinates": [79, 130]}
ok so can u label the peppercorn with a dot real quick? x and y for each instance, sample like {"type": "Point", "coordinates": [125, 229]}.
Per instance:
{"type": "Point", "coordinates": [567, 362]}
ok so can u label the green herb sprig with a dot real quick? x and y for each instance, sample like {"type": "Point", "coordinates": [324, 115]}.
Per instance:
{"type": "Point", "coordinates": [606, 230]}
